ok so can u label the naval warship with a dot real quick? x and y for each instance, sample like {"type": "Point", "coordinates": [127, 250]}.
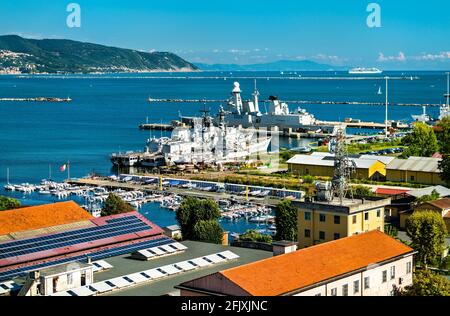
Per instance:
{"type": "Point", "coordinates": [201, 143]}
{"type": "Point", "coordinates": [248, 114]}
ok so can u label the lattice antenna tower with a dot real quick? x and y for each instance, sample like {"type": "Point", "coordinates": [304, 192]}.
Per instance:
{"type": "Point", "coordinates": [343, 167]}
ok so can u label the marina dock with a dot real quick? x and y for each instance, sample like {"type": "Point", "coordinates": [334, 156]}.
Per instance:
{"type": "Point", "coordinates": [270, 201]}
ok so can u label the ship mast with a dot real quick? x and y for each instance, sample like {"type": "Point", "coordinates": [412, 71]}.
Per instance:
{"type": "Point", "coordinates": [387, 103]}
{"type": "Point", "coordinates": [255, 99]}
{"type": "Point", "coordinates": [447, 96]}
{"type": "Point", "coordinates": [237, 97]}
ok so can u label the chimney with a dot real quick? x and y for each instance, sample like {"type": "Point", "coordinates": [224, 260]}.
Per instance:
{"type": "Point", "coordinates": [35, 275]}
{"type": "Point", "coordinates": [225, 238]}
{"type": "Point", "coordinates": [283, 247]}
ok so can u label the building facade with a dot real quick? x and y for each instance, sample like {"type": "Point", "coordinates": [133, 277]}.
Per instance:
{"type": "Point", "coordinates": [320, 222]}
{"type": "Point", "coordinates": [322, 165]}
{"type": "Point", "coordinates": [368, 264]}
{"type": "Point", "coordinates": [423, 170]}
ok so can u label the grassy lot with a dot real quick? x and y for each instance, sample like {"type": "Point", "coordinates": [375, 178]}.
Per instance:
{"type": "Point", "coordinates": [356, 148]}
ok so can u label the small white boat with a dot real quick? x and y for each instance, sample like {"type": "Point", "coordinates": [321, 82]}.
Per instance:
{"type": "Point", "coordinates": [9, 187]}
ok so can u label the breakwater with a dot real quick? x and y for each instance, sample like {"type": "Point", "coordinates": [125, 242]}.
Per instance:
{"type": "Point", "coordinates": [37, 99]}
{"type": "Point", "coordinates": [297, 102]}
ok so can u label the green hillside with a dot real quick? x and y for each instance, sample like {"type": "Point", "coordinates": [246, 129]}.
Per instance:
{"type": "Point", "coordinates": [67, 56]}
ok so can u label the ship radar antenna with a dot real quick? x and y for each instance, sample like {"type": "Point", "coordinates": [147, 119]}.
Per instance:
{"type": "Point", "coordinates": [447, 96]}
{"type": "Point", "coordinates": [343, 166]}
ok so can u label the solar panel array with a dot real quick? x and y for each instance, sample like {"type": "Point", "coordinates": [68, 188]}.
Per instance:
{"type": "Point", "coordinates": [139, 278]}
{"type": "Point", "coordinates": [114, 227]}
{"type": "Point", "coordinates": [94, 255]}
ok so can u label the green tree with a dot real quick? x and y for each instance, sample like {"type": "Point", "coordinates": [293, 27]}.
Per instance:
{"type": "Point", "coordinates": [443, 135]}
{"type": "Point", "coordinates": [428, 198]}
{"type": "Point", "coordinates": [208, 231]}
{"type": "Point", "coordinates": [115, 205]}
{"type": "Point", "coordinates": [428, 283]}
{"type": "Point", "coordinates": [195, 216]}
{"type": "Point", "coordinates": [444, 166]}
{"type": "Point", "coordinates": [427, 231]}
{"type": "Point", "coordinates": [7, 203]}
{"type": "Point", "coordinates": [442, 131]}
{"type": "Point", "coordinates": [422, 141]}
{"type": "Point", "coordinates": [361, 191]}
{"type": "Point", "coordinates": [253, 235]}
{"type": "Point", "coordinates": [286, 221]}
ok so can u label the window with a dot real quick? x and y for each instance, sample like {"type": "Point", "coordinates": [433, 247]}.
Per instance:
{"type": "Point", "coordinates": [408, 267]}
{"type": "Point", "coordinates": [366, 216]}
{"type": "Point", "coordinates": [307, 216]}
{"type": "Point", "coordinates": [70, 279]}
{"type": "Point", "coordinates": [384, 276]}
{"type": "Point", "coordinates": [307, 233]}
{"type": "Point", "coordinates": [412, 178]}
{"type": "Point", "coordinates": [355, 287]}
{"type": "Point", "coordinates": [366, 282]}
{"type": "Point", "coordinates": [337, 236]}
{"type": "Point", "coordinates": [337, 219]}
{"type": "Point", "coordinates": [322, 217]}
{"type": "Point", "coordinates": [334, 292]}
{"type": "Point", "coordinates": [345, 290]}
{"type": "Point", "coordinates": [392, 272]}
{"type": "Point", "coordinates": [354, 219]}
{"type": "Point", "coordinates": [306, 171]}
{"type": "Point", "coordinates": [322, 235]}
{"type": "Point", "coordinates": [378, 213]}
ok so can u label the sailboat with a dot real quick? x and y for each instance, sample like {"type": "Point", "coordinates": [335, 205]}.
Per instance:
{"type": "Point", "coordinates": [8, 186]}
{"type": "Point", "coordinates": [379, 91]}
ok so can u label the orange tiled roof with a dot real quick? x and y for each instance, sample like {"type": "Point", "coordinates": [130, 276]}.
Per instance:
{"type": "Point", "coordinates": [441, 203]}
{"type": "Point", "coordinates": [35, 217]}
{"type": "Point", "coordinates": [286, 273]}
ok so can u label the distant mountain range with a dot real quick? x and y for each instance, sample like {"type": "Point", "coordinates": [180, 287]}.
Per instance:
{"type": "Point", "coordinates": [282, 65]}
{"type": "Point", "coordinates": [21, 55]}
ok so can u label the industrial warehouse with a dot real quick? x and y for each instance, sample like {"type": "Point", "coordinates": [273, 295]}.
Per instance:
{"type": "Point", "coordinates": [421, 170]}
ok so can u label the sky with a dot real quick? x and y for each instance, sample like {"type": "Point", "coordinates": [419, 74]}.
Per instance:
{"type": "Point", "coordinates": [414, 34]}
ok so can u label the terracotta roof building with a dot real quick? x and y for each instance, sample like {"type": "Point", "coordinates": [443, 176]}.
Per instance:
{"type": "Point", "coordinates": [368, 264]}
{"type": "Point", "coordinates": [441, 206]}
{"type": "Point", "coordinates": [37, 217]}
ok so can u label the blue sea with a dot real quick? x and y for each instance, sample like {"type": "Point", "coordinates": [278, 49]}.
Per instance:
{"type": "Point", "coordinates": [107, 109]}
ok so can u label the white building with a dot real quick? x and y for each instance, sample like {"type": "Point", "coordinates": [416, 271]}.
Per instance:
{"type": "Point", "coordinates": [58, 278]}
{"type": "Point", "coordinates": [369, 264]}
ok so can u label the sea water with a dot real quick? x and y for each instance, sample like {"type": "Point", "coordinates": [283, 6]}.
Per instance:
{"type": "Point", "coordinates": [107, 109]}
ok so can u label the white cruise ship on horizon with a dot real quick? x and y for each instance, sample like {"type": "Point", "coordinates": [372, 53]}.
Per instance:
{"type": "Point", "coordinates": [364, 71]}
